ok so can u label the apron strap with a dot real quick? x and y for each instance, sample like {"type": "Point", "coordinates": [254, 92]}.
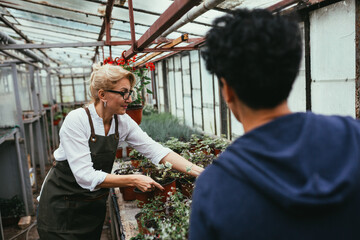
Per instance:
{"type": "Point", "coordinates": [116, 126]}
{"type": "Point", "coordinates": [93, 137]}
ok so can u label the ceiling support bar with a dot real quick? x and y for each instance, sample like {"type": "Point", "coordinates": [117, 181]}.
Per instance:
{"type": "Point", "coordinates": [281, 5]}
{"type": "Point", "coordinates": [132, 25]}
{"type": "Point", "coordinates": [169, 47]}
{"type": "Point", "coordinates": [169, 17]}
{"type": "Point", "coordinates": [109, 7]}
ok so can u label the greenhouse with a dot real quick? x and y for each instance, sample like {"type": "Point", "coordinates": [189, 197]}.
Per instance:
{"type": "Point", "coordinates": [175, 114]}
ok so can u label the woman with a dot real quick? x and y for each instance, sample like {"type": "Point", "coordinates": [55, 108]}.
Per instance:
{"type": "Point", "coordinates": [72, 202]}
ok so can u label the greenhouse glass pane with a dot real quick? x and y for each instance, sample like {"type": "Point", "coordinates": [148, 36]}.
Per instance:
{"type": "Point", "coordinates": [79, 92]}
{"type": "Point", "coordinates": [8, 111]}
{"type": "Point", "coordinates": [206, 85]}
{"type": "Point", "coordinates": [198, 118]}
{"type": "Point", "coordinates": [209, 124]}
{"type": "Point", "coordinates": [27, 25]}
{"type": "Point", "coordinates": [66, 81]}
{"type": "Point", "coordinates": [67, 94]}
{"type": "Point", "coordinates": [59, 13]}
{"type": "Point", "coordinates": [24, 89]}
{"type": "Point", "coordinates": [171, 87]}
{"type": "Point", "coordinates": [54, 21]}
{"type": "Point", "coordinates": [186, 75]}
{"type": "Point", "coordinates": [178, 84]}
{"type": "Point", "coordinates": [195, 69]}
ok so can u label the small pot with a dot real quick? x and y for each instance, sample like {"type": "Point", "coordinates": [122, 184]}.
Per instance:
{"type": "Point", "coordinates": [56, 122]}
{"type": "Point", "coordinates": [169, 185]}
{"type": "Point", "coordinates": [128, 150]}
{"type": "Point", "coordinates": [135, 112]}
{"type": "Point", "coordinates": [144, 229]}
{"type": "Point", "coordinates": [187, 186]}
{"type": "Point", "coordinates": [119, 153]}
{"type": "Point", "coordinates": [217, 151]}
{"type": "Point", "coordinates": [135, 163]}
{"type": "Point", "coordinates": [143, 197]}
{"type": "Point", "coordinates": [128, 193]}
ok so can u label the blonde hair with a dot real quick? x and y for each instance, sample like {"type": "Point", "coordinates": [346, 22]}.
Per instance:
{"type": "Point", "coordinates": [105, 77]}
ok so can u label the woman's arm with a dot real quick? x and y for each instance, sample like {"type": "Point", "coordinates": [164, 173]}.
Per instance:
{"type": "Point", "coordinates": [142, 182]}
{"type": "Point", "coordinates": [181, 164]}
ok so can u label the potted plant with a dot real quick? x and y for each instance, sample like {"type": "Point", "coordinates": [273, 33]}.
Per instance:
{"type": "Point", "coordinates": [11, 210]}
{"type": "Point", "coordinates": [127, 192]}
{"type": "Point", "coordinates": [166, 177]}
{"type": "Point", "coordinates": [65, 111]}
{"type": "Point", "coordinates": [57, 118]}
{"type": "Point", "coordinates": [134, 109]}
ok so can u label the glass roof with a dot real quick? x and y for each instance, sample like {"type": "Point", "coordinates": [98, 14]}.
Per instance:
{"type": "Point", "coordinates": [54, 22]}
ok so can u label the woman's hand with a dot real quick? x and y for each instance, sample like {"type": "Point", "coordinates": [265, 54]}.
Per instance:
{"type": "Point", "coordinates": [145, 183]}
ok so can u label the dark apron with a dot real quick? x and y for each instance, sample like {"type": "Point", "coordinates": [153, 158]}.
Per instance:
{"type": "Point", "coordinates": [68, 211]}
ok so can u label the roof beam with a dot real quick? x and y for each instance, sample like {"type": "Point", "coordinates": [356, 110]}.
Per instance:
{"type": "Point", "coordinates": [166, 46]}
{"type": "Point", "coordinates": [132, 25]}
{"type": "Point", "coordinates": [282, 4]}
{"type": "Point", "coordinates": [194, 44]}
{"type": "Point", "coordinates": [21, 34]}
{"type": "Point", "coordinates": [86, 44]}
{"type": "Point", "coordinates": [176, 10]}
{"type": "Point", "coordinates": [168, 49]}
{"type": "Point", "coordinates": [109, 7]}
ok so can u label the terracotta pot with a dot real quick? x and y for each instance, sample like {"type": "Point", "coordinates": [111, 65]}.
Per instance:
{"type": "Point", "coordinates": [143, 197]}
{"type": "Point", "coordinates": [217, 151]}
{"type": "Point", "coordinates": [119, 153]}
{"type": "Point", "coordinates": [128, 193]}
{"type": "Point", "coordinates": [56, 122]}
{"type": "Point", "coordinates": [135, 163]}
{"type": "Point", "coordinates": [128, 150]}
{"type": "Point", "coordinates": [170, 186]}
{"type": "Point", "coordinates": [187, 186]}
{"type": "Point", "coordinates": [144, 229]}
{"type": "Point", "coordinates": [135, 112]}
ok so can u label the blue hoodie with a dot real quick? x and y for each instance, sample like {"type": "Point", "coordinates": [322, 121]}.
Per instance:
{"type": "Point", "coordinates": [297, 177]}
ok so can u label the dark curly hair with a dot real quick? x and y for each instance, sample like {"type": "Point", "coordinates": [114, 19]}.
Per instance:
{"type": "Point", "coordinates": [257, 53]}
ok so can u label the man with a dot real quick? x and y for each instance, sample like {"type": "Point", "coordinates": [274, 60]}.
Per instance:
{"type": "Point", "coordinates": [291, 175]}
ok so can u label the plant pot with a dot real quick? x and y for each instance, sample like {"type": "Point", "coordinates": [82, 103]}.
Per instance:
{"type": "Point", "coordinates": [143, 197]}
{"type": "Point", "coordinates": [169, 186]}
{"type": "Point", "coordinates": [135, 112]}
{"type": "Point", "coordinates": [144, 229]}
{"type": "Point", "coordinates": [187, 186]}
{"type": "Point", "coordinates": [135, 163]}
{"type": "Point", "coordinates": [128, 150]}
{"type": "Point", "coordinates": [56, 122]}
{"type": "Point", "coordinates": [217, 151]}
{"type": "Point", "coordinates": [119, 153]}
{"type": "Point", "coordinates": [128, 193]}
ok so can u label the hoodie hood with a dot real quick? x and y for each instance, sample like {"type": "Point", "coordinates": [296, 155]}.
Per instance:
{"type": "Point", "coordinates": [301, 161]}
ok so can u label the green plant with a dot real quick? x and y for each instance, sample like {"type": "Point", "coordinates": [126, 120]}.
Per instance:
{"type": "Point", "coordinates": [13, 207]}
{"type": "Point", "coordinates": [176, 145]}
{"type": "Point", "coordinates": [140, 74]}
{"type": "Point", "coordinates": [221, 143]}
{"type": "Point", "coordinates": [58, 115]}
{"type": "Point", "coordinates": [162, 126]}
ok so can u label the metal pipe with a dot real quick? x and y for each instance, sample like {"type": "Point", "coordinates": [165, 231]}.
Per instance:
{"type": "Point", "coordinates": [192, 14]}
{"type": "Point", "coordinates": [8, 40]}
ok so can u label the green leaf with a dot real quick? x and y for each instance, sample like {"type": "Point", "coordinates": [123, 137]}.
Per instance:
{"type": "Point", "coordinates": [149, 91]}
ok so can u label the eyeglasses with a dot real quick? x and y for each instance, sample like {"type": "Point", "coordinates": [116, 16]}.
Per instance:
{"type": "Point", "coordinates": [125, 95]}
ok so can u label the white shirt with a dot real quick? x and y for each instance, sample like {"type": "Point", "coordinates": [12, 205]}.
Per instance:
{"type": "Point", "coordinates": [74, 147]}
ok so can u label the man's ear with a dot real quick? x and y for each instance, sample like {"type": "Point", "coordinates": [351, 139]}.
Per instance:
{"type": "Point", "coordinates": [227, 92]}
